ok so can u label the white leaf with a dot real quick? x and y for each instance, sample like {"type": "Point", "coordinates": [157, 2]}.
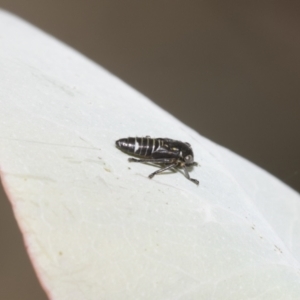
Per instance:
{"type": "Point", "coordinates": [95, 225]}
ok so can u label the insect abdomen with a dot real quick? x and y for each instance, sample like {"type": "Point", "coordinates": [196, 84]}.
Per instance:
{"type": "Point", "coordinates": [138, 145]}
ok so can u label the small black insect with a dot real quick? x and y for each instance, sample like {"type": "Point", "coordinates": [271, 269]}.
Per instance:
{"type": "Point", "coordinates": [164, 151]}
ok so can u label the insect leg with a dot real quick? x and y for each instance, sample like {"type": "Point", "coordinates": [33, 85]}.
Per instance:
{"type": "Point", "coordinates": [152, 160]}
{"type": "Point", "coordinates": [162, 169]}
{"type": "Point", "coordinates": [187, 175]}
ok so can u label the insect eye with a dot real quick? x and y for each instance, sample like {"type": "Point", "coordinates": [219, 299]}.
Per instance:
{"type": "Point", "coordinates": [188, 159]}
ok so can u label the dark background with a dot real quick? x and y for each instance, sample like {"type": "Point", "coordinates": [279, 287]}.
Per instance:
{"type": "Point", "coordinates": [229, 69]}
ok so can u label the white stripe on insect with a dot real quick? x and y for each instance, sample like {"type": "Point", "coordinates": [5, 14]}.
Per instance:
{"type": "Point", "coordinates": [147, 146]}
{"type": "Point", "coordinates": [141, 148]}
{"type": "Point", "coordinates": [136, 145]}
{"type": "Point", "coordinates": [153, 145]}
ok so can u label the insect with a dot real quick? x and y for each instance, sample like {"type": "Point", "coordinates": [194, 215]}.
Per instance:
{"type": "Point", "coordinates": [163, 151]}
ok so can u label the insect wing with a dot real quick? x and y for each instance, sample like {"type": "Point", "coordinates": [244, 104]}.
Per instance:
{"type": "Point", "coordinates": [165, 149]}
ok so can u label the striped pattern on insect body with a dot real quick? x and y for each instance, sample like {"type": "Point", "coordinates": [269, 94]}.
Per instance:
{"type": "Point", "coordinates": [164, 151]}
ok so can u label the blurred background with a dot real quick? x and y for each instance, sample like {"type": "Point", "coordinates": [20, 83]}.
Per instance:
{"type": "Point", "coordinates": [228, 69]}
